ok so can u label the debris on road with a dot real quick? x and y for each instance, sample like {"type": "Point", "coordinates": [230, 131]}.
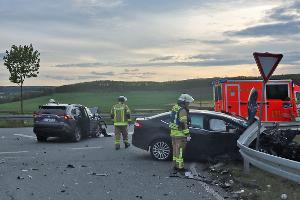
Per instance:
{"type": "Point", "coordinates": [284, 196]}
{"type": "Point", "coordinates": [97, 174]}
{"type": "Point", "coordinates": [2, 161]}
{"type": "Point", "coordinates": [20, 178]}
{"type": "Point", "coordinates": [70, 166]}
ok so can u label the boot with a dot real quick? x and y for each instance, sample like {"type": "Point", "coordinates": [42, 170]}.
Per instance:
{"type": "Point", "coordinates": [117, 146]}
{"type": "Point", "coordinates": [127, 145]}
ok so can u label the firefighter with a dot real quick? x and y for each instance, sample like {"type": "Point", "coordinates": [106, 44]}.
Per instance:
{"type": "Point", "coordinates": [180, 120]}
{"type": "Point", "coordinates": [120, 113]}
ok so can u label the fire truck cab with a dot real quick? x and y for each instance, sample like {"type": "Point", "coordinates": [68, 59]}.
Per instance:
{"type": "Point", "coordinates": [281, 102]}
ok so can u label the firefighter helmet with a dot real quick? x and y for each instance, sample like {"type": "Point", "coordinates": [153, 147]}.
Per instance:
{"type": "Point", "coordinates": [122, 99]}
{"type": "Point", "coordinates": [186, 98]}
{"type": "Point", "coordinates": [52, 101]}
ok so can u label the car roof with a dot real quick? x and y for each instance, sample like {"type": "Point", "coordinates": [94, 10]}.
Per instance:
{"type": "Point", "coordinates": [236, 119]}
{"type": "Point", "coordinates": [60, 104]}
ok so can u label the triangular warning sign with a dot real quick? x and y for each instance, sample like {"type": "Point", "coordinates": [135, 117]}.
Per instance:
{"type": "Point", "coordinates": [267, 63]}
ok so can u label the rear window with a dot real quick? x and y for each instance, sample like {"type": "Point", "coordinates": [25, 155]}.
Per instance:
{"type": "Point", "coordinates": [56, 110]}
{"type": "Point", "coordinates": [279, 91]}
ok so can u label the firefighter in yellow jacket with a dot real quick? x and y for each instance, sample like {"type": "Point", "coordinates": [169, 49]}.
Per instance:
{"type": "Point", "coordinates": [120, 113]}
{"type": "Point", "coordinates": [180, 134]}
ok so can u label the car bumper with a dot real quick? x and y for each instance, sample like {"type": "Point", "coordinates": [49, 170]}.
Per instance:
{"type": "Point", "coordinates": [139, 141]}
{"type": "Point", "coordinates": [53, 130]}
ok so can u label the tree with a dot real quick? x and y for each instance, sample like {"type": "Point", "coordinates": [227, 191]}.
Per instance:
{"type": "Point", "coordinates": [22, 62]}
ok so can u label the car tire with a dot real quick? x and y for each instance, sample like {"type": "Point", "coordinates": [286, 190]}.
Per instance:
{"type": "Point", "coordinates": [41, 138]}
{"type": "Point", "coordinates": [76, 137]}
{"type": "Point", "coordinates": [97, 134]}
{"type": "Point", "coordinates": [161, 149]}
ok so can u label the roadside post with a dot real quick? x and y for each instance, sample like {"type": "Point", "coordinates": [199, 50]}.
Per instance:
{"type": "Point", "coordinates": [267, 63]}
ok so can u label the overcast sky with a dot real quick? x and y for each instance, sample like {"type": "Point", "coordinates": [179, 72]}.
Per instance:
{"type": "Point", "coordinates": [157, 40]}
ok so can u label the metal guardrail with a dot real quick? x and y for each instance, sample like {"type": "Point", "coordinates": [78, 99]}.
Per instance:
{"type": "Point", "coordinates": [285, 168]}
{"type": "Point", "coordinates": [105, 116]}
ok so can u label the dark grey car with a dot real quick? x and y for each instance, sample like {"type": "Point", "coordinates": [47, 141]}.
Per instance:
{"type": "Point", "coordinates": [71, 121]}
{"type": "Point", "coordinates": [213, 135]}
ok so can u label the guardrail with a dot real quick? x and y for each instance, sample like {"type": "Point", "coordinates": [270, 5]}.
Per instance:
{"type": "Point", "coordinates": [285, 168]}
{"type": "Point", "coordinates": [105, 116]}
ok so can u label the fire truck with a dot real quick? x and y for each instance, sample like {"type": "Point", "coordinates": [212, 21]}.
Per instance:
{"type": "Point", "coordinates": [281, 102]}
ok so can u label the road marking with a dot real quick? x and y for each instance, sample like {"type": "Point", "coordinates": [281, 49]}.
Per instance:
{"type": "Point", "coordinates": [26, 136]}
{"type": "Point", "coordinates": [13, 152]}
{"type": "Point", "coordinates": [204, 185]}
{"type": "Point", "coordinates": [129, 133]}
{"type": "Point", "coordinates": [85, 148]}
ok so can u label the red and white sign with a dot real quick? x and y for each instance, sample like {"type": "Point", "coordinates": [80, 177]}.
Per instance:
{"type": "Point", "coordinates": [267, 63]}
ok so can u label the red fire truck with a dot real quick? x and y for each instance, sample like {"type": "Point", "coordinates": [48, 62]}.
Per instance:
{"type": "Point", "coordinates": [281, 103]}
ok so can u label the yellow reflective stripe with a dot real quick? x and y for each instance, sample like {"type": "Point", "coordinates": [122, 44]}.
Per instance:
{"type": "Point", "coordinates": [121, 123]}
{"type": "Point", "coordinates": [183, 118]}
{"type": "Point", "coordinates": [117, 141]}
{"type": "Point", "coordinates": [174, 158]}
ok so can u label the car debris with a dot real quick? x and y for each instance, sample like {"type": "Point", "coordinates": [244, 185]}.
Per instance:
{"type": "Point", "coordinates": [280, 143]}
{"type": "Point", "coordinates": [70, 166]}
{"type": "Point", "coordinates": [283, 196]}
{"type": "Point", "coordinates": [97, 174]}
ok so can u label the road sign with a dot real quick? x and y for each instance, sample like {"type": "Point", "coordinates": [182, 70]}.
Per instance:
{"type": "Point", "coordinates": [267, 63]}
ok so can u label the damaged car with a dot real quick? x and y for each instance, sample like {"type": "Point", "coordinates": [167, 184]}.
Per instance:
{"type": "Point", "coordinates": [213, 135]}
{"type": "Point", "coordinates": [279, 142]}
{"type": "Point", "coordinates": [69, 121]}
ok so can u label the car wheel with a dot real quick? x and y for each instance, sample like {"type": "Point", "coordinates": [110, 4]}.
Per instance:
{"type": "Point", "coordinates": [41, 138]}
{"type": "Point", "coordinates": [161, 149]}
{"type": "Point", "coordinates": [76, 135]}
{"type": "Point", "coordinates": [98, 132]}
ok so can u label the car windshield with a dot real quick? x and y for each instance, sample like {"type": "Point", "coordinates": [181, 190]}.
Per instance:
{"type": "Point", "coordinates": [57, 110]}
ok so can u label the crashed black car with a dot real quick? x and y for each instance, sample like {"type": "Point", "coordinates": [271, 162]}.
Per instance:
{"type": "Point", "coordinates": [213, 135]}
{"type": "Point", "coordinates": [69, 121]}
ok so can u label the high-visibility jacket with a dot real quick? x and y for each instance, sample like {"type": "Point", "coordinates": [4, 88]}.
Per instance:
{"type": "Point", "coordinates": [179, 122]}
{"type": "Point", "coordinates": [120, 114]}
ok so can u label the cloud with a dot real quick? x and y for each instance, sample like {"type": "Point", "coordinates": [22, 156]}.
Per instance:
{"type": "Point", "coordinates": [213, 42]}
{"type": "Point", "coordinates": [276, 29]}
{"type": "Point", "coordinates": [1, 56]}
{"type": "Point", "coordinates": [98, 3]}
{"type": "Point", "coordinates": [287, 12]}
{"type": "Point", "coordinates": [281, 21]}
{"type": "Point", "coordinates": [131, 70]}
{"type": "Point", "coordinates": [99, 74]}
{"type": "Point", "coordinates": [96, 64]}
{"type": "Point", "coordinates": [161, 58]}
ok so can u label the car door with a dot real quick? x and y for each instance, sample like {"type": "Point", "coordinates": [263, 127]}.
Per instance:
{"type": "Point", "coordinates": [222, 136]}
{"type": "Point", "coordinates": [197, 147]}
{"type": "Point", "coordinates": [84, 121]}
{"type": "Point", "coordinates": [93, 121]}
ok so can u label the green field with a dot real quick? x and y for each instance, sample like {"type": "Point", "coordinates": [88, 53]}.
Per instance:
{"type": "Point", "coordinates": [104, 100]}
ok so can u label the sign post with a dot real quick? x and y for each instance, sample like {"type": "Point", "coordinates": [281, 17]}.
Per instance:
{"type": "Point", "coordinates": [267, 63]}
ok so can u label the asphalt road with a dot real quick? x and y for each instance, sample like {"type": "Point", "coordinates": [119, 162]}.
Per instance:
{"type": "Point", "coordinates": [90, 169]}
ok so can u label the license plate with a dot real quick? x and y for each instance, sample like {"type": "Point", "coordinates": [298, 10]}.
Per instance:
{"type": "Point", "coordinates": [49, 120]}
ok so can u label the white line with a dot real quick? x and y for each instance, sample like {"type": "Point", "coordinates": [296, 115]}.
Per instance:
{"type": "Point", "coordinates": [129, 133]}
{"type": "Point", "coordinates": [13, 152]}
{"type": "Point", "coordinates": [85, 148]}
{"type": "Point", "coordinates": [204, 185]}
{"type": "Point", "coordinates": [26, 136]}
